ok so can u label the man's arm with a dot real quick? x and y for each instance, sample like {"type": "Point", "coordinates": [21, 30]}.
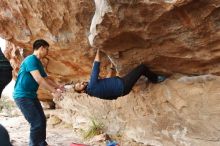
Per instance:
{"type": "Point", "coordinates": [95, 70]}
{"type": "Point", "coordinates": [52, 83]}
{"type": "Point", "coordinates": [97, 56]}
{"type": "Point", "coordinates": [42, 82]}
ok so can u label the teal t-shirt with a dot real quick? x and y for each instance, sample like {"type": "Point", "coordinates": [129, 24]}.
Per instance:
{"type": "Point", "coordinates": [26, 86]}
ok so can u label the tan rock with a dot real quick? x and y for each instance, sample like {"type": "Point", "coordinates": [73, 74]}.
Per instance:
{"type": "Point", "coordinates": [169, 36]}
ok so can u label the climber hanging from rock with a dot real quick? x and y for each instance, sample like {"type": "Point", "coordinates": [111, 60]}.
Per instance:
{"type": "Point", "coordinates": [113, 87]}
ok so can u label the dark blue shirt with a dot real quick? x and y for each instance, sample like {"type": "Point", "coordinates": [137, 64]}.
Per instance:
{"type": "Point", "coordinates": [107, 88]}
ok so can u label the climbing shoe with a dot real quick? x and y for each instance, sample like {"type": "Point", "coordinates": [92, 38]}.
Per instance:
{"type": "Point", "coordinates": [160, 78]}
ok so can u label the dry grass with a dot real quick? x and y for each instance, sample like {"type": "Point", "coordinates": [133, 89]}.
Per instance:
{"type": "Point", "coordinates": [96, 128]}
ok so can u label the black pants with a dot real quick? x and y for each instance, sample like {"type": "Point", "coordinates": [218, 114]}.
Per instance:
{"type": "Point", "coordinates": [131, 78]}
{"type": "Point", "coordinates": [4, 137]}
{"type": "Point", "coordinates": [5, 78]}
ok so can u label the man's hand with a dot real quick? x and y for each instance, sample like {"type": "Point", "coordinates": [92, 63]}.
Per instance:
{"type": "Point", "coordinates": [61, 87]}
{"type": "Point", "coordinates": [57, 95]}
{"type": "Point", "coordinates": [97, 56]}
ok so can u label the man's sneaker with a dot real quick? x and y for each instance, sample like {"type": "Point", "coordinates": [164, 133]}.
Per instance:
{"type": "Point", "coordinates": [160, 78]}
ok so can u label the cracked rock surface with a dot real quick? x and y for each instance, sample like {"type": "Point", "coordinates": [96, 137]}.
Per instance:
{"type": "Point", "coordinates": [179, 38]}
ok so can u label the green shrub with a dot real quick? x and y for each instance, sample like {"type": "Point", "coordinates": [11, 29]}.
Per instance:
{"type": "Point", "coordinates": [95, 128]}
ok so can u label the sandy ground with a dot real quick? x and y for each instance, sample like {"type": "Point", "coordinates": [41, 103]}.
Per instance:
{"type": "Point", "coordinates": [18, 129]}
{"type": "Point", "coordinates": [57, 134]}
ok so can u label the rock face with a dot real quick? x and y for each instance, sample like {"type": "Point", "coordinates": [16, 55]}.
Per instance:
{"type": "Point", "coordinates": [169, 36]}
{"type": "Point", "coordinates": [64, 24]}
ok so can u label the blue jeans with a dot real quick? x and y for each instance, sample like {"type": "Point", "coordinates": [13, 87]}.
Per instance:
{"type": "Point", "coordinates": [34, 114]}
{"type": "Point", "coordinates": [4, 137]}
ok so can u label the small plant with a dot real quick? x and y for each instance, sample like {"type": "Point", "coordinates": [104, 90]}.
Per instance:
{"type": "Point", "coordinates": [6, 104]}
{"type": "Point", "coordinates": [95, 128]}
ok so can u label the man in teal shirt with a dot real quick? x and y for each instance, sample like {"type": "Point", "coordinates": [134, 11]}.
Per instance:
{"type": "Point", "coordinates": [30, 76]}
{"type": "Point", "coordinates": [26, 86]}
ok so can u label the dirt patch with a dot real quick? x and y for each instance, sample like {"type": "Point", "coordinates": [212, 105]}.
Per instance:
{"type": "Point", "coordinates": [18, 128]}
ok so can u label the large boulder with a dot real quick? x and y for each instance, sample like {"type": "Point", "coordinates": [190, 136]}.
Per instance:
{"type": "Point", "coordinates": [169, 36]}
